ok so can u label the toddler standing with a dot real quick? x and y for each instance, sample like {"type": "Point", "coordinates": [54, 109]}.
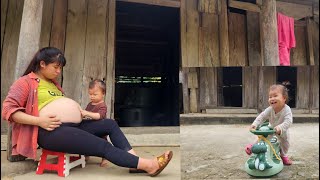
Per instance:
{"type": "Point", "coordinates": [280, 118]}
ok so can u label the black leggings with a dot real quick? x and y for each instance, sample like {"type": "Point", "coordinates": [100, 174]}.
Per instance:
{"type": "Point", "coordinates": [86, 139]}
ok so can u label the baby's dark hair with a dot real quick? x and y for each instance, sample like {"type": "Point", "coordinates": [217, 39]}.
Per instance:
{"type": "Point", "coordinates": [284, 89]}
{"type": "Point", "coordinates": [99, 83]}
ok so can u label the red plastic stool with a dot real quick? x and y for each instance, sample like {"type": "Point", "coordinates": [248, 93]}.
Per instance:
{"type": "Point", "coordinates": [65, 162]}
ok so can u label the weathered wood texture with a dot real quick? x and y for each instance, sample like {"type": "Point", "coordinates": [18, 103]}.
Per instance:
{"type": "Point", "coordinates": [298, 55]}
{"type": "Point", "coordinates": [237, 40]}
{"type": "Point", "coordinates": [250, 85]}
{"type": "Point", "coordinates": [253, 37]}
{"type": "Point", "coordinates": [303, 87]}
{"type": "Point", "coordinates": [245, 6]}
{"type": "Point", "coordinates": [167, 3]}
{"type": "Point", "coordinates": [267, 77]}
{"type": "Point", "coordinates": [46, 23]}
{"type": "Point", "coordinates": [208, 88]}
{"type": "Point", "coordinates": [209, 41]}
{"type": "Point", "coordinates": [223, 34]}
{"type": "Point", "coordinates": [269, 33]}
{"type": "Point", "coordinates": [208, 6]}
{"type": "Point", "coordinates": [310, 41]}
{"type": "Point", "coordinates": [29, 37]}
{"type": "Point", "coordinates": [297, 11]}
{"type": "Point", "coordinates": [185, 90]}
{"type": "Point", "coordinates": [110, 55]}
{"type": "Point", "coordinates": [59, 21]}
{"type": "Point", "coordinates": [315, 37]}
{"type": "Point", "coordinates": [94, 59]}
{"type": "Point", "coordinates": [4, 8]}
{"type": "Point", "coordinates": [75, 49]}
{"type": "Point", "coordinates": [183, 34]}
{"type": "Point", "coordinates": [314, 90]}
{"type": "Point", "coordinates": [192, 34]}
{"type": "Point", "coordinates": [10, 48]}
{"type": "Point", "coordinates": [193, 85]}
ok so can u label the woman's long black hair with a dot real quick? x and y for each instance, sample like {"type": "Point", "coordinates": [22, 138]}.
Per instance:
{"type": "Point", "coordinates": [48, 55]}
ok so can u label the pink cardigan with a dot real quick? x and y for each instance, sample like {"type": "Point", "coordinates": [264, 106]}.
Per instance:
{"type": "Point", "coordinates": [23, 96]}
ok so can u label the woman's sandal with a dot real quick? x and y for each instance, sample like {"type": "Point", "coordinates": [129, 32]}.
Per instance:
{"type": "Point", "coordinates": [162, 162]}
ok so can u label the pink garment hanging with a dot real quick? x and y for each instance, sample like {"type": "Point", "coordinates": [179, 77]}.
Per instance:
{"type": "Point", "coordinates": [286, 38]}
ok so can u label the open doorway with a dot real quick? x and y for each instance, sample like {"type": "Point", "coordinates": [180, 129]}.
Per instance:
{"type": "Point", "coordinates": [147, 65]}
{"type": "Point", "coordinates": [289, 74]}
{"type": "Point", "coordinates": [232, 86]}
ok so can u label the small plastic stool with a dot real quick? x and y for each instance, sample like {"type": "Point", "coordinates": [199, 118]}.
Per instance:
{"type": "Point", "coordinates": [65, 162]}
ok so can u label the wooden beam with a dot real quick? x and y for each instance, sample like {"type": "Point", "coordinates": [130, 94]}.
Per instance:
{"type": "Point", "coordinates": [208, 6]}
{"type": "Point", "coordinates": [297, 11]}
{"type": "Point", "coordinates": [167, 3]}
{"type": "Point", "coordinates": [244, 5]}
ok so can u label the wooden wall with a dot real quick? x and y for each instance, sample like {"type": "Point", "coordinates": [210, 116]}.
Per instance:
{"type": "Point", "coordinates": [201, 44]}
{"type": "Point", "coordinates": [256, 82]}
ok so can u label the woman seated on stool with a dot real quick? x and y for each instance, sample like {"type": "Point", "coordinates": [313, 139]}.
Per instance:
{"type": "Point", "coordinates": [40, 114]}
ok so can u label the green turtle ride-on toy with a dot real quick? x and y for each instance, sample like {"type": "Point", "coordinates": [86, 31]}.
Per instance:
{"type": "Point", "coordinates": [265, 160]}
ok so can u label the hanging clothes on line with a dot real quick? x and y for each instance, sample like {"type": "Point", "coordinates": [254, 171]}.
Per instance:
{"type": "Point", "coordinates": [286, 38]}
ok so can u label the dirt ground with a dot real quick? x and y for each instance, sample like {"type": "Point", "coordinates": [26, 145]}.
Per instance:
{"type": "Point", "coordinates": [217, 152]}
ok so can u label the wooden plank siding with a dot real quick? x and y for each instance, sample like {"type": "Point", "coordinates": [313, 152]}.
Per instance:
{"type": "Point", "coordinates": [46, 24]}
{"type": "Point", "coordinates": [303, 87]}
{"type": "Point", "coordinates": [298, 55]}
{"type": "Point", "coordinates": [237, 40]}
{"type": "Point", "coordinates": [253, 39]}
{"type": "Point", "coordinates": [192, 34]}
{"type": "Point", "coordinates": [59, 20]}
{"type": "Point", "coordinates": [250, 87]}
{"type": "Point", "coordinates": [208, 89]}
{"type": "Point", "coordinates": [314, 87]}
{"type": "Point", "coordinates": [94, 66]}
{"type": "Point", "coordinates": [209, 41]}
{"type": "Point", "coordinates": [75, 49]}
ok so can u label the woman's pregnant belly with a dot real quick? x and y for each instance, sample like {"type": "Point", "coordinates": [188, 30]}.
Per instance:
{"type": "Point", "coordinates": [67, 110]}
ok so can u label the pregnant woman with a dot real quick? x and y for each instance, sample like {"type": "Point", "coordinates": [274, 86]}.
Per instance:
{"type": "Point", "coordinates": [40, 114]}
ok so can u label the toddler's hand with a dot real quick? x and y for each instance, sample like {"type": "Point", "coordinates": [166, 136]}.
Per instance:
{"type": "Point", "coordinates": [252, 127]}
{"type": "Point", "coordinates": [278, 130]}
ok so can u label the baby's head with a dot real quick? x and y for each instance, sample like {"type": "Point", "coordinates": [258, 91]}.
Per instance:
{"type": "Point", "coordinates": [97, 91]}
{"type": "Point", "coordinates": [278, 95]}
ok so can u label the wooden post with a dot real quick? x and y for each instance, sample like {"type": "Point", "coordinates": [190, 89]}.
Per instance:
{"type": "Point", "coordinates": [269, 33]}
{"type": "Point", "coordinates": [223, 34]}
{"type": "Point", "coordinates": [185, 90]}
{"type": "Point", "coordinates": [29, 40]}
{"type": "Point", "coordinates": [110, 57]}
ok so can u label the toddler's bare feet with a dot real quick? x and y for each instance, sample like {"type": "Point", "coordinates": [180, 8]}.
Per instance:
{"type": "Point", "coordinates": [104, 163]}
{"type": "Point", "coordinates": [87, 158]}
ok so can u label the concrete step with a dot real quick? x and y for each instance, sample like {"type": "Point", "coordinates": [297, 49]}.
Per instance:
{"type": "Point", "coordinates": [212, 119]}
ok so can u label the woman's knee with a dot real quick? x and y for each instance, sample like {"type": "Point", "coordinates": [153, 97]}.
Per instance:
{"type": "Point", "coordinates": [111, 123]}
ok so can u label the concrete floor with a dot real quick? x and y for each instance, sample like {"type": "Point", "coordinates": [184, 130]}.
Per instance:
{"type": "Point", "coordinates": [92, 169]}
{"type": "Point", "coordinates": [217, 152]}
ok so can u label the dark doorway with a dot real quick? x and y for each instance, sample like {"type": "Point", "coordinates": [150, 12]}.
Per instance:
{"type": "Point", "coordinates": [232, 86]}
{"type": "Point", "coordinates": [147, 65]}
{"type": "Point", "coordinates": [288, 74]}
